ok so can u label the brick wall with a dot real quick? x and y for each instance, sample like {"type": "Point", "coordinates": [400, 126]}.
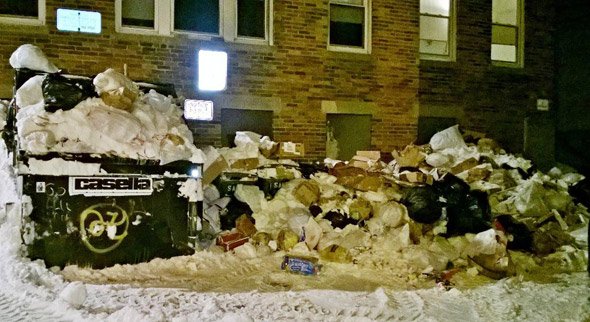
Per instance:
{"type": "Point", "coordinates": [483, 97]}
{"type": "Point", "coordinates": [298, 71]}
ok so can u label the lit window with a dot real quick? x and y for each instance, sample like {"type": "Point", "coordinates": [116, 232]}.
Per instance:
{"type": "Point", "coordinates": [212, 70]}
{"type": "Point", "coordinates": [507, 33]}
{"type": "Point", "coordinates": [437, 29]}
{"type": "Point", "coordinates": [248, 21]}
{"type": "Point", "coordinates": [22, 12]}
{"type": "Point", "coordinates": [350, 25]}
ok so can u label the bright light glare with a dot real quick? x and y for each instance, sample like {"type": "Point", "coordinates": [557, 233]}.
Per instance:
{"type": "Point", "coordinates": [212, 70]}
{"type": "Point", "coordinates": [195, 173]}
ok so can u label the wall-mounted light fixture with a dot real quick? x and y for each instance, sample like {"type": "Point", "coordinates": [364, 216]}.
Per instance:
{"type": "Point", "coordinates": [212, 70]}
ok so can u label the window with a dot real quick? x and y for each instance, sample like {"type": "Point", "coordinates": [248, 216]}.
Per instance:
{"type": "Point", "coordinates": [437, 29]}
{"type": "Point", "coordinates": [197, 16]}
{"type": "Point", "coordinates": [150, 17]}
{"type": "Point", "coordinates": [22, 12]}
{"type": "Point", "coordinates": [247, 21]}
{"type": "Point", "coordinates": [350, 26]}
{"type": "Point", "coordinates": [507, 33]}
{"type": "Point", "coordinates": [251, 17]}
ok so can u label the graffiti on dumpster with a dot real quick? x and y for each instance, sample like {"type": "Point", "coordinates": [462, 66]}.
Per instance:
{"type": "Point", "coordinates": [103, 227]}
{"type": "Point", "coordinates": [58, 208]}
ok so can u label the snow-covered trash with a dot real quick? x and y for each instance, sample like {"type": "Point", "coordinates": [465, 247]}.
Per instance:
{"type": "Point", "coordinates": [31, 57]}
{"type": "Point", "coordinates": [74, 293]}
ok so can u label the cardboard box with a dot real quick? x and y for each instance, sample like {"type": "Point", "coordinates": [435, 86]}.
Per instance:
{"type": "Point", "coordinates": [410, 156]}
{"type": "Point", "coordinates": [291, 150]}
{"type": "Point", "coordinates": [371, 155]}
{"type": "Point", "coordinates": [417, 177]}
{"type": "Point", "coordinates": [231, 240]}
{"type": "Point", "coordinates": [464, 165]}
{"type": "Point", "coordinates": [307, 192]}
{"type": "Point", "coordinates": [245, 164]}
{"type": "Point", "coordinates": [214, 170]}
{"type": "Point", "coordinates": [270, 151]}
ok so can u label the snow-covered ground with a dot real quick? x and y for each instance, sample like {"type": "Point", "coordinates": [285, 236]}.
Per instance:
{"type": "Point", "coordinates": [245, 286]}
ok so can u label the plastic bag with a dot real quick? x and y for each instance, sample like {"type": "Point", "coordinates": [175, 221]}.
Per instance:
{"type": "Point", "coordinates": [467, 211]}
{"type": "Point", "coordinates": [64, 93]}
{"type": "Point", "coordinates": [449, 138]}
{"type": "Point", "coordinates": [423, 204]}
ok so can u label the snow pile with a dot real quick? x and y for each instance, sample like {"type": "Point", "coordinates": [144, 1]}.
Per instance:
{"type": "Point", "coordinates": [122, 122]}
{"type": "Point", "coordinates": [31, 57]}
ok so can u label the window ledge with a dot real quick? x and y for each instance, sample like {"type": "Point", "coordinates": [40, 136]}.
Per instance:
{"type": "Point", "coordinates": [346, 49]}
{"type": "Point", "coordinates": [21, 21]}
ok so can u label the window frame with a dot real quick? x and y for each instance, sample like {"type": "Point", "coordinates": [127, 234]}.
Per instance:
{"type": "Point", "coordinates": [520, 33]}
{"type": "Point", "coordinates": [268, 25]}
{"type": "Point", "coordinates": [161, 13]}
{"type": "Point", "coordinates": [366, 49]}
{"type": "Point", "coordinates": [23, 20]}
{"type": "Point", "coordinates": [452, 35]}
{"type": "Point", "coordinates": [228, 23]}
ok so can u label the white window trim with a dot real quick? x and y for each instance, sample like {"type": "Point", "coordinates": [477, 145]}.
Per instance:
{"type": "Point", "coordinates": [367, 32]}
{"type": "Point", "coordinates": [520, 45]}
{"type": "Point", "coordinates": [16, 20]}
{"type": "Point", "coordinates": [164, 23]}
{"type": "Point", "coordinates": [452, 56]}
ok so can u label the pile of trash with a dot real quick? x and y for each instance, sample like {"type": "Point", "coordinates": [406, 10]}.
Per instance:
{"type": "Point", "coordinates": [103, 115]}
{"type": "Point", "coordinates": [446, 205]}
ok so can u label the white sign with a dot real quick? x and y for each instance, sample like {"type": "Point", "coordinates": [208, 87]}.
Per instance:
{"type": "Point", "coordinates": [79, 21]}
{"type": "Point", "coordinates": [198, 110]}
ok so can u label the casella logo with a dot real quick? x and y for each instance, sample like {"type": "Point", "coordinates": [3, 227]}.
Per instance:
{"type": "Point", "coordinates": [110, 186]}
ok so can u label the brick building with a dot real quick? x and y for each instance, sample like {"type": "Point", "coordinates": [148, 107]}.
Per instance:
{"type": "Point", "coordinates": [310, 61]}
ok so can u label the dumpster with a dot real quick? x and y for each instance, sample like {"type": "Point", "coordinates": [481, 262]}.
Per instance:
{"type": "Point", "coordinates": [126, 211]}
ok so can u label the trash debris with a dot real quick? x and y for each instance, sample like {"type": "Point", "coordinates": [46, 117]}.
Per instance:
{"type": "Point", "coordinates": [231, 240]}
{"type": "Point", "coordinates": [300, 265]}
{"type": "Point", "coordinates": [61, 93]}
{"type": "Point", "coordinates": [423, 203]}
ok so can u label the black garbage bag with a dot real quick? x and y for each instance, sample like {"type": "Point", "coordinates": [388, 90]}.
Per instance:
{"type": "Point", "coordinates": [522, 237]}
{"type": "Point", "coordinates": [423, 204]}
{"type": "Point", "coordinates": [233, 210]}
{"type": "Point", "coordinates": [315, 209]}
{"type": "Point", "coordinates": [64, 93]}
{"type": "Point", "coordinates": [470, 215]}
{"type": "Point", "coordinates": [309, 168]}
{"type": "Point", "coordinates": [467, 211]}
{"type": "Point", "coordinates": [581, 192]}
{"type": "Point", "coordinates": [338, 219]}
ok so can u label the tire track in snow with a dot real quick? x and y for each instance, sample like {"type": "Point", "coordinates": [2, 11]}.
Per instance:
{"type": "Point", "coordinates": [21, 310]}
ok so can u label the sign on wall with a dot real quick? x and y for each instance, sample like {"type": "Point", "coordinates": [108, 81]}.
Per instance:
{"type": "Point", "coordinates": [78, 21]}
